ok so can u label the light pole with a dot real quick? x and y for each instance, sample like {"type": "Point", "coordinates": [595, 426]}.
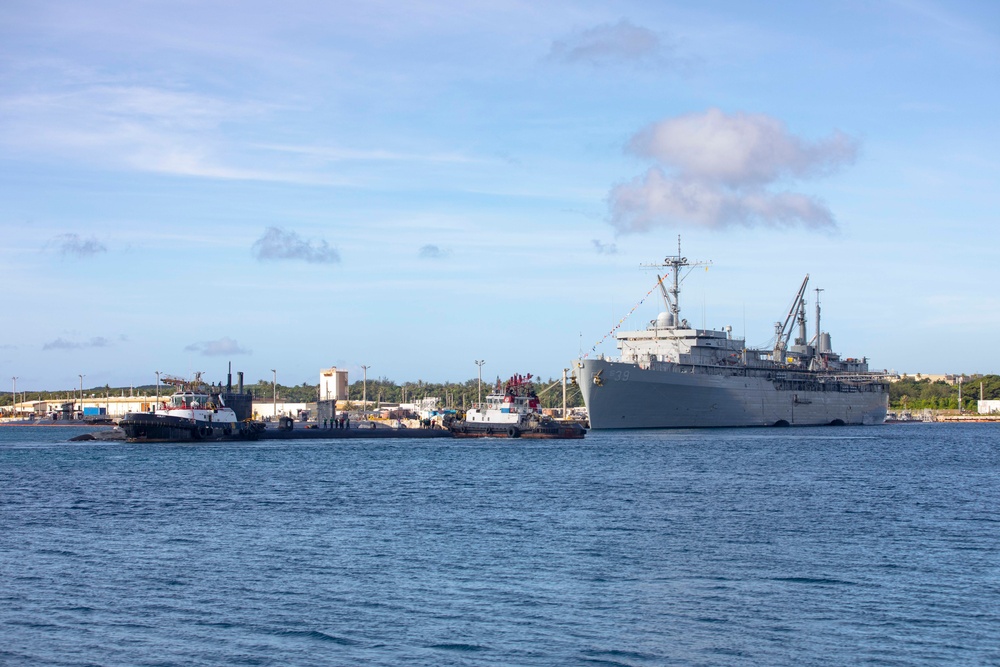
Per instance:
{"type": "Point", "coordinates": [364, 390]}
{"type": "Point", "coordinates": [81, 395]}
{"type": "Point", "coordinates": [480, 362]}
{"type": "Point", "coordinates": [13, 398]}
{"type": "Point", "coordinates": [565, 370]}
{"type": "Point", "coordinates": [274, 399]}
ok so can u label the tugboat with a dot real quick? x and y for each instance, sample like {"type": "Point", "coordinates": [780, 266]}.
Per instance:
{"type": "Point", "coordinates": [193, 413]}
{"type": "Point", "coordinates": [512, 410]}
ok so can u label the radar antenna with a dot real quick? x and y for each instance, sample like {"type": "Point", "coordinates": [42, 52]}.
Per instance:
{"type": "Point", "coordinates": [675, 263]}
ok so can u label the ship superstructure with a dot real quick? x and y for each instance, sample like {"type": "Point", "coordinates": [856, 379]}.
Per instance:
{"type": "Point", "coordinates": [672, 375]}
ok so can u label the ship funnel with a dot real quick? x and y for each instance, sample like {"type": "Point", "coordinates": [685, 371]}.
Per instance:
{"type": "Point", "coordinates": [824, 344]}
{"type": "Point", "coordinates": [229, 378]}
{"type": "Point", "coordinates": [239, 377]}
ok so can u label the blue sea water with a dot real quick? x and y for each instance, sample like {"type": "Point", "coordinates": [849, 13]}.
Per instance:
{"type": "Point", "coordinates": [827, 546]}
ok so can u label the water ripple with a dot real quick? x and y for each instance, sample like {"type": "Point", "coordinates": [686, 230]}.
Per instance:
{"type": "Point", "coordinates": [844, 546]}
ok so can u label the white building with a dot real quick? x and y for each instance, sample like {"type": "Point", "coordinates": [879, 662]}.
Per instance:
{"type": "Point", "coordinates": [333, 384]}
{"type": "Point", "coordinates": [989, 407]}
{"type": "Point", "coordinates": [90, 406]}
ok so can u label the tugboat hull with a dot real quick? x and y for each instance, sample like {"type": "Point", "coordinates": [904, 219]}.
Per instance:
{"type": "Point", "coordinates": [144, 427]}
{"type": "Point", "coordinates": [544, 431]}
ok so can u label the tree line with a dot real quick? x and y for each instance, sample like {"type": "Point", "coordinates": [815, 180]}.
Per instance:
{"type": "Point", "coordinates": [380, 390]}
{"type": "Point", "coordinates": [913, 394]}
{"type": "Point", "coordinates": [906, 394]}
{"type": "Point", "coordinates": [450, 394]}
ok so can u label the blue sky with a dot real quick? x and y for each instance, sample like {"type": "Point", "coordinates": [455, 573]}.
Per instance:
{"type": "Point", "coordinates": [417, 185]}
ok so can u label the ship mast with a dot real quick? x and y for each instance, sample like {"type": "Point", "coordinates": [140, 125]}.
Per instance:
{"type": "Point", "coordinates": [675, 263]}
{"type": "Point", "coordinates": [818, 331]}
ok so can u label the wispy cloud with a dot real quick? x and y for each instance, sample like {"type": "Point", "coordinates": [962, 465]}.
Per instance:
{"type": "Point", "coordinates": [431, 251]}
{"type": "Point", "coordinates": [143, 128]}
{"type": "Point", "coordinates": [278, 244]}
{"type": "Point", "coordinates": [334, 154]}
{"type": "Point", "coordinates": [217, 348]}
{"type": "Point", "coordinates": [720, 166]}
{"type": "Point", "coordinates": [604, 248]}
{"type": "Point", "coordinates": [608, 44]}
{"type": "Point", "coordinates": [63, 344]}
{"type": "Point", "coordinates": [127, 121]}
{"type": "Point", "coordinates": [73, 244]}
{"type": "Point", "coordinates": [946, 24]}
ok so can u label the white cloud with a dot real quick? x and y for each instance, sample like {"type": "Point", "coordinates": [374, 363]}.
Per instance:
{"type": "Point", "coordinates": [431, 251]}
{"type": "Point", "coordinates": [607, 44]}
{"type": "Point", "coordinates": [739, 149]}
{"type": "Point", "coordinates": [72, 244]}
{"type": "Point", "coordinates": [659, 200]}
{"type": "Point", "coordinates": [280, 244]}
{"type": "Point", "coordinates": [63, 344]}
{"type": "Point", "coordinates": [216, 348]}
{"type": "Point", "coordinates": [604, 248]}
{"type": "Point", "coordinates": [721, 165]}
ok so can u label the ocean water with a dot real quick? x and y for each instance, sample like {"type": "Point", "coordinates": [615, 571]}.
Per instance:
{"type": "Point", "coordinates": [827, 546]}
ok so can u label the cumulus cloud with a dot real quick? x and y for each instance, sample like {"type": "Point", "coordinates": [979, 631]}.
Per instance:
{"type": "Point", "coordinates": [431, 251]}
{"type": "Point", "coordinates": [739, 149]}
{"type": "Point", "coordinates": [605, 248]}
{"type": "Point", "coordinates": [720, 168]}
{"type": "Point", "coordinates": [73, 244]}
{"type": "Point", "coordinates": [216, 348]}
{"type": "Point", "coordinates": [657, 199]}
{"type": "Point", "coordinates": [63, 344]}
{"type": "Point", "coordinates": [608, 44]}
{"type": "Point", "coordinates": [278, 244]}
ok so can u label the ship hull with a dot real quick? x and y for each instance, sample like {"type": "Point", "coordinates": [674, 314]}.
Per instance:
{"type": "Point", "coordinates": [626, 395]}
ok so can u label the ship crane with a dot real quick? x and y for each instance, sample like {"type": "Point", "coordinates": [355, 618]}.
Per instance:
{"type": "Point", "coordinates": [181, 383]}
{"type": "Point", "coordinates": [783, 330]}
{"type": "Point", "coordinates": [663, 291]}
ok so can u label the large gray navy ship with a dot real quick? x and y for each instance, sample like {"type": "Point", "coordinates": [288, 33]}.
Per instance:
{"type": "Point", "coordinates": [671, 375]}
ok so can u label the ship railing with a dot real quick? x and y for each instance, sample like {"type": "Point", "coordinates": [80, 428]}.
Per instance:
{"type": "Point", "coordinates": [775, 373]}
{"type": "Point", "coordinates": [860, 378]}
{"type": "Point", "coordinates": [769, 369]}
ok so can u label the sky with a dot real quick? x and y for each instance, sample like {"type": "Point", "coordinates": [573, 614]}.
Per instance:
{"type": "Point", "coordinates": [414, 186]}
